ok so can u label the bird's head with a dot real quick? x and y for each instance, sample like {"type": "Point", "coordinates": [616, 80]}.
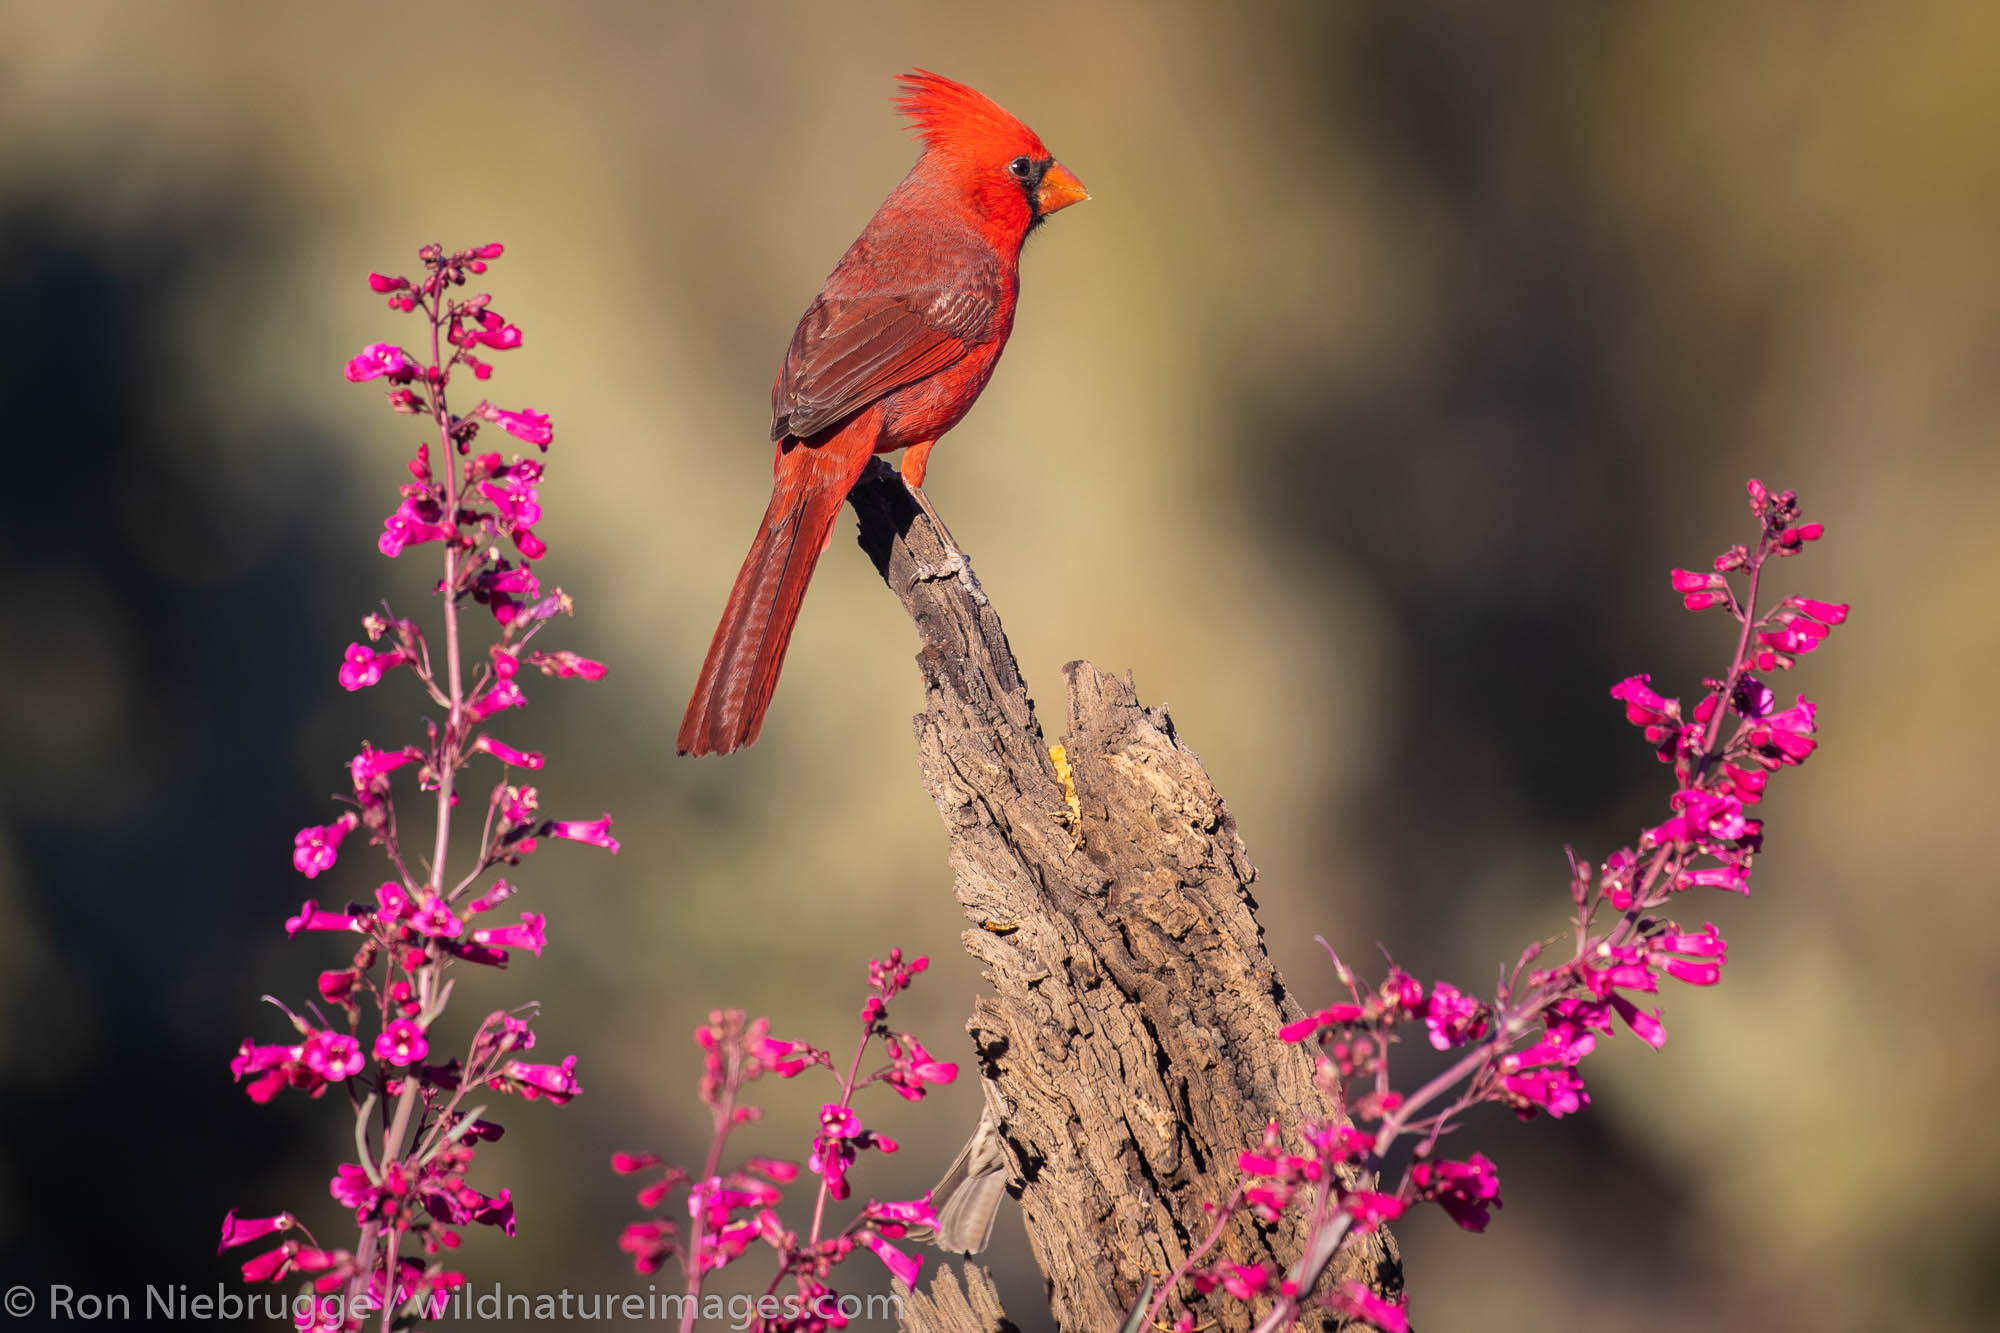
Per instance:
{"type": "Point", "coordinates": [1001, 168]}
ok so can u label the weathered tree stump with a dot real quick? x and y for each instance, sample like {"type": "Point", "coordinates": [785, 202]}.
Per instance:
{"type": "Point", "coordinates": [1133, 1025]}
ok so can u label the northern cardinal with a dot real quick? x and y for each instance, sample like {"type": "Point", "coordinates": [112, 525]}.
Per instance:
{"type": "Point", "coordinates": [890, 355]}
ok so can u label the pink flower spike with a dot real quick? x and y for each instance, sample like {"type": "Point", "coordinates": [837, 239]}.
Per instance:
{"type": "Point", "coordinates": [507, 754]}
{"type": "Point", "coordinates": [596, 832]}
{"type": "Point", "coordinates": [904, 1267]}
{"type": "Point", "coordinates": [378, 360]}
{"type": "Point", "coordinates": [311, 918]}
{"type": "Point", "coordinates": [402, 1043]}
{"type": "Point", "coordinates": [528, 935]}
{"type": "Point", "coordinates": [242, 1230]}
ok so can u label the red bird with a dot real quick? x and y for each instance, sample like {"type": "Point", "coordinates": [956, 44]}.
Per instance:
{"type": "Point", "coordinates": [890, 355]}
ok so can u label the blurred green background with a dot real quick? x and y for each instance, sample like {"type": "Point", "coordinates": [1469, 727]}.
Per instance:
{"type": "Point", "coordinates": [1401, 351]}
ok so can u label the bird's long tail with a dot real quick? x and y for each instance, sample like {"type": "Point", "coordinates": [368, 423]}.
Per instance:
{"type": "Point", "coordinates": [810, 484]}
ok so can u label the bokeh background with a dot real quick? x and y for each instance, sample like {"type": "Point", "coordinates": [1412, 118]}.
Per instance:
{"type": "Point", "coordinates": [1401, 351]}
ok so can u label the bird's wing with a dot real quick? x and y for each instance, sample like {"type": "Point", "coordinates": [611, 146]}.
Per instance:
{"type": "Point", "coordinates": [850, 350]}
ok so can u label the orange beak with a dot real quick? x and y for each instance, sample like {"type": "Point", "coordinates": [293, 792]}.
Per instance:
{"type": "Point", "coordinates": [1060, 189]}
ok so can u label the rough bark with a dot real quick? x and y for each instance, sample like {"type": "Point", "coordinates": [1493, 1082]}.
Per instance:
{"type": "Point", "coordinates": [1132, 1029]}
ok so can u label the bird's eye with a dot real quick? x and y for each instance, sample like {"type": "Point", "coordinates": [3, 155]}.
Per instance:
{"type": "Point", "coordinates": [1021, 168]}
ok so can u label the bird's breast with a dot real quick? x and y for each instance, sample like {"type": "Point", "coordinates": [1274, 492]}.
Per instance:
{"type": "Point", "coordinates": [933, 405]}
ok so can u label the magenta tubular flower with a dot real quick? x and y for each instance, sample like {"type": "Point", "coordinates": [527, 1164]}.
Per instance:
{"type": "Point", "coordinates": [436, 918]}
{"type": "Point", "coordinates": [1559, 1092]}
{"type": "Point", "coordinates": [351, 1188]}
{"type": "Point", "coordinates": [1468, 1191]}
{"type": "Point", "coordinates": [507, 754]}
{"type": "Point", "coordinates": [501, 697]}
{"type": "Point", "coordinates": [556, 1082]}
{"type": "Point", "coordinates": [407, 527]}
{"type": "Point", "coordinates": [905, 1267]}
{"type": "Point", "coordinates": [393, 902]}
{"type": "Point", "coordinates": [501, 336]}
{"type": "Point", "coordinates": [525, 425]}
{"type": "Point", "coordinates": [1830, 613]}
{"type": "Point", "coordinates": [492, 898]}
{"type": "Point", "coordinates": [253, 1059]}
{"type": "Point", "coordinates": [528, 935]}
{"type": "Point", "coordinates": [363, 666]}
{"type": "Point", "coordinates": [332, 1055]}
{"type": "Point", "coordinates": [910, 1213]}
{"type": "Point", "coordinates": [1732, 878]}
{"type": "Point", "coordinates": [371, 765]}
{"type": "Point", "coordinates": [269, 1266]}
{"type": "Point", "coordinates": [596, 832]}
{"type": "Point", "coordinates": [315, 849]}
{"type": "Point", "coordinates": [1355, 1299]}
{"type": "Point", "coordinates": [1645, 1026]}
{"type": "Point", "coordinates": [566, 663]}
{"type": "Point", "coordinates": [519, 505]}
{"type": "Point", "coordinates": [378, 360]}
{"type": "Point", "coordinates": [401, 1043]}
{"type": "Point", "coordinates": [1370, 1209]}
{"type": "Point", "coordinates": [311, 918]}
{"type": "Point", "coordinates": [1801, 636]}
{"type": "Point", "coordinates": [1453, 1017]}
{"type": "Point", "coordinates": [780, 1170]}
{"type": "Point", "coordinates": [242, 1230]}
{"type": "Point", "coordinates": [1334, 1015]}
{"type": "Point", "coordinates": [913, 1067]}
{"type": "Point", "coordinates": [786, 1059]}
{"type": "Point", "coordinates": [1643, 708]}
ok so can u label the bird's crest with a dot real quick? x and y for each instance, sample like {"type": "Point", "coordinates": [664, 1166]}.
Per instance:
{"type": "Point", "coordinates": [956, 119]}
